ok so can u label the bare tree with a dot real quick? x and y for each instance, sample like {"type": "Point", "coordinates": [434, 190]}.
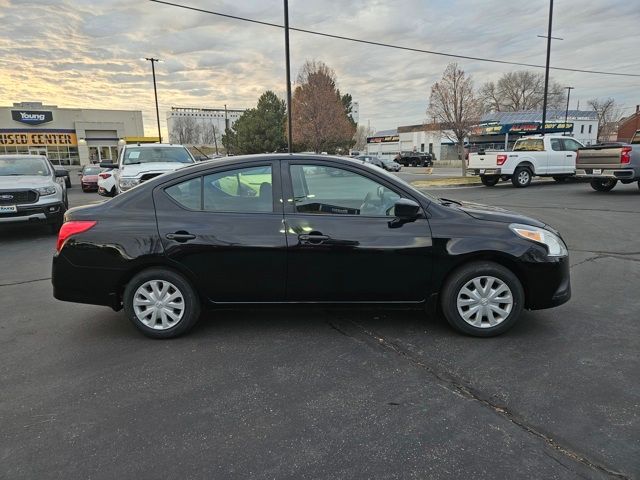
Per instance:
{"type": "Point", "coordinates": [360, 137]}
{"type": "Point", "coordinates": [453, 103]}
{"type": "Point", "coordinates": [209, 135]}
{"type": "Point", "coordinates": [608, 115]}
{"type": "Point", "coordinates": [185, 130]}
{"type": "Point", "coordinates": [522, 90]}
{"type": "Point", "coordinates": [320, 121]}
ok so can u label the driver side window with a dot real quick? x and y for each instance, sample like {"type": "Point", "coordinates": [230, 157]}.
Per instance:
{"type": "Point", "coordinates": [335, 191]}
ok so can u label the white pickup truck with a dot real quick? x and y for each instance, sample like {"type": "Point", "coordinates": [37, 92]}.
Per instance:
{"type": "Point", "coordinates": [544, 156]}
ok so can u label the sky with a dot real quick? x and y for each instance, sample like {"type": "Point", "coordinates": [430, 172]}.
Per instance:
{"type": "Point", "coordinates": [86, 53]}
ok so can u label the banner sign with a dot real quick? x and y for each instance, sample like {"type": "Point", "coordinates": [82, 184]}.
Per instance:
{"type": "Point", "coordinates": [387, 139]}
{"type": "Point", "coordinates": [33, 139]}
{"type": "Point", "coordinates": [521, 128]}
{"type": "Point", "coordinates": [31, 117]}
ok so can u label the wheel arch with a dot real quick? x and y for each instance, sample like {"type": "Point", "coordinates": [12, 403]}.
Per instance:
{"type": "Point", "coordinates": [528, 164]}
{"type": "Point", "coordinates": [493, 256]}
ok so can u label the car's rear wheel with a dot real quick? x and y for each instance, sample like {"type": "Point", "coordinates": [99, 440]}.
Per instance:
{"type": "Point", "coordinates": [482, 299]}
{"type": "Point", "coordinates": [603, 184]}
{"type": "Point", "coordinates": [521, 177]}
{"type": "Point", "coordinates": [489, 180]}
{"type": "Point", "coordinates": [161, 303]}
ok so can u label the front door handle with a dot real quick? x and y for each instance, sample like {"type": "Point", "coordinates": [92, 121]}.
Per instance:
{"type": "Point", "coordinates": [180, 236]}
{"type": "Point", "coordinates": [313, 239]}
{"type": "Point", "coordinates": [569, 156]}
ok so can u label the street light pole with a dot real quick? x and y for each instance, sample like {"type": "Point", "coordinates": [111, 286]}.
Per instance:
{"type": "Point", "coordinates": [288, 66]}
{"type": "Point", "coordinates": [566, 112]}
{"type": "Point", "coordinates": [546, 70]}
{"type": "Point", "coordinates": [155, 92]}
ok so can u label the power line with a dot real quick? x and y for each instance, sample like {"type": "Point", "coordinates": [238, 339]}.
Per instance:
{"type": "Point", "coordinates": [388, 45]}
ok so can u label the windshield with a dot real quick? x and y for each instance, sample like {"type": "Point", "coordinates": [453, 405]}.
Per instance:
{"type": "Point", "coordinates": [529, 145]}
{"type": "Point", "coordinates": [156, 154]}
{"type": "Point", "coordinates": [91, 171]}
{"type": "Point", "coordinates": [32, 165]}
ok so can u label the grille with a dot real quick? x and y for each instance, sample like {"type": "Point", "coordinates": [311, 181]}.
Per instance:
{"type": "Point", "coordinates": [18, 197]}
{"type": "Point", "coordinates": [148, 176]}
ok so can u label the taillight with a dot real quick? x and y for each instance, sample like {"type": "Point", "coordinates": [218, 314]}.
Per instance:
{"type": "Point", "coordinates": [625, 155]}
{"type": "Point", "coordinates": [72, 228]}
{"type": "Point", "coordinates": [104, 175]}
{"type": "Point", "coordinates": [500, 159]}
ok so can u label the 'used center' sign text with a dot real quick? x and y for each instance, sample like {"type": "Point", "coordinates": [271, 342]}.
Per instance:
{"type": "Point", "coordinates": [38, 139]}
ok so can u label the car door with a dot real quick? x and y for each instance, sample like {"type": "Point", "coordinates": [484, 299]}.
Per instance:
{"type": "Point", "coordinates": [557, 156]}
{"type": "Point", "coordinates": [571, 147]}
{"type": "Point", "coordinates": [225, 227]}
{"type": "Point", "coordinates": [343, 243]}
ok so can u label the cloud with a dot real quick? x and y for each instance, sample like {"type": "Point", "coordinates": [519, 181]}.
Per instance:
{"type": "Point", "coordinates": [86, 53]}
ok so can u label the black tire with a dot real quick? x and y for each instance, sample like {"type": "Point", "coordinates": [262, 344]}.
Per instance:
{"type": "Point", "coordinates": [489, 180]}
{"type": "Point", "coordinates": [638, 183]}
{"type": "Point", "coordinates": [603, 184]}
{"type": "Point", "coordinates": [467, 273]}
{"type": "Point", "coordinates": [188, 298]}
{"type": "Point", "coordinates": [521, 177]}
{"type": "Point", "coordinates": [67, 182]}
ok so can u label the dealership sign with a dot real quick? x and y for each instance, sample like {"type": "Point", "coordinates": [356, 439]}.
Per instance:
{"type": "Point", "coordinates": [521, 128]}
{"type": "Point", "coordinates": [31, 117]}
{"type": "Point", "coordinates": [386, 139]}
{"type": "Point", "coordinates": [39, 139]}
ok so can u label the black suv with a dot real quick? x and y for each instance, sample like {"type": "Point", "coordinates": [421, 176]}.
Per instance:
{"type": "Point", "coordinates": [415, 160]}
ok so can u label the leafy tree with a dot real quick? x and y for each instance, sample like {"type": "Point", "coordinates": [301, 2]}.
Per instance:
{"type": "Point", "coordinates": [522, 90]}
{"type": "Point", "coordinates": [453, 104]}
{"type": "Point", "coordinates": [321, 120]}
{"type": "Point", "coordinates": [260, 129]}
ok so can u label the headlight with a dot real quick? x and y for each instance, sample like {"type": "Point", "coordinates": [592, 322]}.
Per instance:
{"type": "Point", "coordinates": [127, 183]}
{"type": "Point", "coordinates": [46, 191]}
{"type": "Point", "coordinates": [554, 243]}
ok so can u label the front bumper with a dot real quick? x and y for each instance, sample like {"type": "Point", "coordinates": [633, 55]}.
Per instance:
{"type": "Point", "coordinates": [546, 284]}
{"type": "Point", "coordinates": [617, 173]}
{"type": "Point", "coordinates": [48, 212]}
{"type": "Point", "coordinates": [484, 171]}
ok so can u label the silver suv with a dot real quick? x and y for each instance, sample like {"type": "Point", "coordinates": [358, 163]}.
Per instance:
{"type": "Point", "coordinates": [31, 190]}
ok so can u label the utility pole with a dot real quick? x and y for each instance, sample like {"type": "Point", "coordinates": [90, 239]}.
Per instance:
{"type": "Point", "coordinates": [546, 70]}
{"type": "Point", "coordinates": [226, 120]}
{"type": "Point", "coordinates": [566, 112]}
{"type": "Point", "coordinates": [288, 65]}
{"type": "Point", "coordinates": [155, 91]}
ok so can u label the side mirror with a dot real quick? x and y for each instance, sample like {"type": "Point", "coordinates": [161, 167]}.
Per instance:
{"type": "Point", "coordinates": [79, 174]}
{"type": "Point", "coordinates": [406, 209]}
{"type": "Point", "coordinates": [108, 165]}
{"type": "Point", "coordinates": [62, 173]}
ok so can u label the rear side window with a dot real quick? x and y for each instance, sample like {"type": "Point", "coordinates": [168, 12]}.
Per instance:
{"type": "Point", "coordinates": [556, 144]}
{"type": "Point", "coordinates": [188, 194]}
{"type": "Point", "coordinates": [241, 190]}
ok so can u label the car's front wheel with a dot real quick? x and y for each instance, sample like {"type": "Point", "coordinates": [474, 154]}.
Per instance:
{"type": "Point", "coordinates": [482, 299]}
{"type": "Point", "coordinates": [161, 303]}
{"type": "Point", "coordinates": [603, 184]}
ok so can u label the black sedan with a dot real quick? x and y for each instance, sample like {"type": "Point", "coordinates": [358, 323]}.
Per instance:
{"type": "Point", "coordinates": [303, 229]}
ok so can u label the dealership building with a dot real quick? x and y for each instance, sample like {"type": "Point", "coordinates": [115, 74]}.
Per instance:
{"type": "Point", "coordinates": [68, 136]}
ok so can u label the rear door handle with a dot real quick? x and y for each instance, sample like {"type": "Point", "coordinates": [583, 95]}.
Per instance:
{"type": "Point", "coordinates": [313, 239]}
{"type": "Point", "coordinates": [180, 236]}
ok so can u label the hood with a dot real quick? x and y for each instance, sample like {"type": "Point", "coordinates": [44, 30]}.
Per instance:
{"type": "Point", "coordinates": [24, 181]}
{"type": "Point", "coordinates": [151, 167]}
{"type": "Point", "coordinates": [497, 214]}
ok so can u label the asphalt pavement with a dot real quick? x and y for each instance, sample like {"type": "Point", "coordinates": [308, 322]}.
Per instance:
{"type": "Point", "coordinates": [333, 393]}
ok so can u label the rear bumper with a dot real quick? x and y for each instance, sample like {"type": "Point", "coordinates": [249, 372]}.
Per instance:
{"type": "Point", "coordinates": [49, 212]}
{"type": "Point", "coordinates": [618, 173]}
{"type": "Point", "coordinates": [547, 284]}
{"type": "Point", "coordinates": [484, 171]}
{"type": "Point", "coordinates": [85, 285]}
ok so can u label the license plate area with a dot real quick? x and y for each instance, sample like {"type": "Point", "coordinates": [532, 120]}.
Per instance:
{"type": "Point", "coordinates": [8, 209]}
{"type": "Point", "coordinates": [597, 171]}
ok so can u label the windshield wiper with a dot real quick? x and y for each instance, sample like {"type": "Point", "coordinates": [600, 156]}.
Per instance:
{"type": "Point", "coordinates": [448, 201]}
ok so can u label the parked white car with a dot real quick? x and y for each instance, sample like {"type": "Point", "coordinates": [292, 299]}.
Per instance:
{"type": "Point", "coordinates": [107, 183]}
{"type": "Point", "coordinates": [543, 156]}
{"type": "Point", "coordinates": [141, 162]}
